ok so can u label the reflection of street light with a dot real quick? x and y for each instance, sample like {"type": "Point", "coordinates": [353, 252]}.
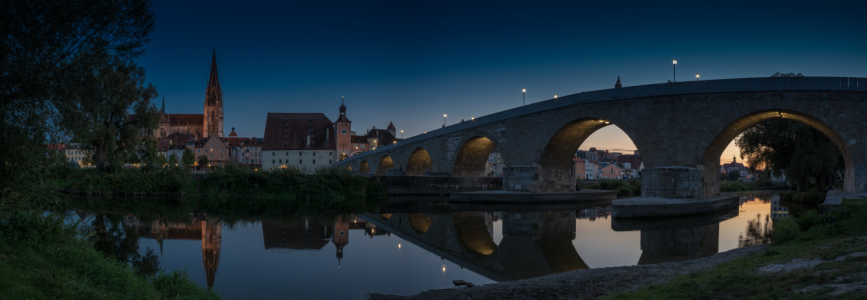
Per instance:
{"type": "Point", "coordinates": [696, 76]}
{"type": "Point", "coordinates": [524, 96]}
{"type": "Point", "coordinates": [674, 63]}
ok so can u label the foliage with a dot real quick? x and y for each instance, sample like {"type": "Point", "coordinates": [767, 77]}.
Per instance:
{"type": "Point", "coordinates": [623, 188]}
{"type": "Point", "coordinates": [288, 182]}
{"type": "Point", "coordinates": [170, 180]}
{"type": "Point", "coordinates": [733, 176]}
{"type": "Point", "coordinates": [110, 112]}
{"type": "Point", "coordinates": [796, 148]}
{"type": "Point", "coordinates": [203, 161]}
{"type": "Point", "coordinates": [46, 46]}
{"type": "Point", "coordinates": [189, 158]}
{"type": "Point", "coordinates": [811, 196]}
{"type": "Point", "coordinates": [42, 259]}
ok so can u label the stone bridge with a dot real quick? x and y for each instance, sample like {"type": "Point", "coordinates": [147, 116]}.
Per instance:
{"type": "Point", "coordinates": [680, 129]}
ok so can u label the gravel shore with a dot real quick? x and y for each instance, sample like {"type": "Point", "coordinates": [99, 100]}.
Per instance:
{"type": "Point", "coordinates": [580, 284]}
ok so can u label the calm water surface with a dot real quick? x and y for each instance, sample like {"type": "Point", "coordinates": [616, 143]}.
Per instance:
{"type": "Point", "coordinates": [413, 245]}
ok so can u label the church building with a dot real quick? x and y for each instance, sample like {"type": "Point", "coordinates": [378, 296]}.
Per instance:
{"type": "Point", "coordinates": [207, 124]}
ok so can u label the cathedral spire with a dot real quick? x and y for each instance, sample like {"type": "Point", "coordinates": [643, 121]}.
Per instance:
{"type": "Point", "coordinates": [164, 105]}
{"type": "Point", "coordinates": [618, 85]}
{"type": "Point", "coordinates": [214, 80]}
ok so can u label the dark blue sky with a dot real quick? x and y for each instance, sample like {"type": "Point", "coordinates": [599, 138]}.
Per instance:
{"type": "Point", "coordinates": [413, 62]}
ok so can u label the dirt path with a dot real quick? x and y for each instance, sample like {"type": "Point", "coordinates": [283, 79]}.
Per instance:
{"type": "Point", "coordinates": [581, 284]}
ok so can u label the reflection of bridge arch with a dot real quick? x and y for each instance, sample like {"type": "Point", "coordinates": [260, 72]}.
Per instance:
{"type": "Point", "coordinates": [534, 244]}
{"type": "Point", "coordinates": [473, 232]}
{"type": "Point", "coordinates": [419, 162]}
{"type": "Point", "coordinates": [470, 160]}
{"type": "Point", "coordinates": [420, 222]}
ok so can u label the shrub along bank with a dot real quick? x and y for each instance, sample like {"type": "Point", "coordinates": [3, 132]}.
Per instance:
{"type": "Point", "coordinates": [289, 183]}
{"type": "Point", "coordinates": [167, 181]}
{"type": "Point", "coordinates": [826, 257]}
{"type": "Point", "coordinates": [623, 188]}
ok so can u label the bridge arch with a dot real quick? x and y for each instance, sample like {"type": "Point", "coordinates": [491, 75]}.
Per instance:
{"type": "Point", "coordinates": [385, 163]}
{"type": "Point", "coordinates": [349, 168]}
{"type": "Point", "coordinates": [711, 157]}
{"type": "Point", "coordinates": [364, 168]}
{"type": "Point", "coordinates": [556, 170]}
{"type": "Point", "coordinates": [471, 229]}
{"type": "Point", "coordinates": [471, 157]}
{"type": "Point", "coordinates": [419, 162]}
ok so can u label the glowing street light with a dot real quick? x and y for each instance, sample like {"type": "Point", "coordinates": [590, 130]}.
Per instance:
{"type": "Point", "coordinates": [697, 76]}
{"type": "Point", "coordinates": [401, 133]}
{"type": "Point", "coordinates": [674, 63]}
{"type": "Point", "coordinates": [555, 96]}
{"type": "Point", "coordinates": [524, 93]}
{"type": "Point", "coordinates": [444, 119]}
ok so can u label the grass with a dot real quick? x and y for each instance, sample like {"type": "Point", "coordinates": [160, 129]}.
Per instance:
{"type": "Point", "coordinates": [812, 235]}
{"type": "Point", "coordinates": [811, 197]}
{"type": "Point", "coordinates": [41, 257]}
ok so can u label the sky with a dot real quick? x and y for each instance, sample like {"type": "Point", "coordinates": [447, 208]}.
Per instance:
{"type": "Point", "coordinates": [410, 62]}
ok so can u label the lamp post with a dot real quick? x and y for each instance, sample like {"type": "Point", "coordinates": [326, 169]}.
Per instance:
{"type": "Point", "coordinates": [401, 133]}
{"type": "Point", "coordinates": [524, 97]}
{"type": "Point", "coordinates": [696, 76]}
{"type": "Point", "coordinates": [674, 63]}
{"type": "Point", "coordinates": [555, 96]}
{"type": "Point", "coordinates": [444, 120]}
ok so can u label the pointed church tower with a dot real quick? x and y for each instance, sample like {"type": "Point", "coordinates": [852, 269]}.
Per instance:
{"type": "Point", "coordinates": [618, 85]}
{"type": "Point", "coordinates": [213, 102]}
{"type": "Point", "coordinates": [212, 239]}
{"type": "Point", "coordinates": [391, 129]}
{"type": "Point", "coordinates": [163, 109]}
{"type": "Point", "coordinates": [340, 238]}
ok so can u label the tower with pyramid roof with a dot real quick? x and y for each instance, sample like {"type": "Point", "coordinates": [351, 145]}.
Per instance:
{"type": "Point", "coordinates": [344, 133]}
{"type": "Point", "coordinates": [213, 102]}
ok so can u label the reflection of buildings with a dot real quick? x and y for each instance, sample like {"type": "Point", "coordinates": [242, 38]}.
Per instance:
{"type": "Point", "coordinates": [596, 212]}
{"type": "Point", "coordinates": [199, 228]}
{"type": "Point", "coordinates": [307, 234]}
{"type": "Point", "coordinates": [340, 238]}
{"type": "Point", "coordinates": [678, 244]}
{"type": "Point", "coordinates": [778, 211]}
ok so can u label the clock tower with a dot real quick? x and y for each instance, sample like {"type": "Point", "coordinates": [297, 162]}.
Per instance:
{"type": "Point", "coordinates": [343, 131]}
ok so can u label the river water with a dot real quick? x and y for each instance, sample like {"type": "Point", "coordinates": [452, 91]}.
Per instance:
{"type": "Point", "coordinates": [413, 245]}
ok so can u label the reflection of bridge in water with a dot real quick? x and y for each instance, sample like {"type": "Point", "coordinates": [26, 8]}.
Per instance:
{"type": "Point", "coordinates": [541, 243]}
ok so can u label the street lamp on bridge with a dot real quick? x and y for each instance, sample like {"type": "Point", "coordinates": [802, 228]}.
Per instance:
{"type": "Point", "coordinates": [697, 76]}
{"type": "Point", "coordinates": [524, 97]}
{"type": "Point", "coordinates": [444, 120]}
{"type": "Point", "coordinates": [674, 63]}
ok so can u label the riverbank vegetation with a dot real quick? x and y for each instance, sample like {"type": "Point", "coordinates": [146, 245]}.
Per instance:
{"type": "Point", "coordinates": [623, 188]}
{"type": "Point", "coordinates": [814, 256]}
{"type": "Point", "coordinates": [329, 183]}
{"type": "Point", "coordinates": [137, 181]}
{"type": "Point", "coordinates": [739, 186]}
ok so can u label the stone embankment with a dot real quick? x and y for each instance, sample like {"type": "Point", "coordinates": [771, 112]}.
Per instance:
{"type": "Point", "coordinates": [581, 284]}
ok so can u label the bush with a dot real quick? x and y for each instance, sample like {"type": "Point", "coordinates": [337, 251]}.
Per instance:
{"type": "Point", "coordinates": [785, 230]}
{"type": "Point", "coordinates": [288, 182]}
{"type": "Point", "coordinates": [169, 180]}
{"type": "Point", "coordinates": [811, 197]}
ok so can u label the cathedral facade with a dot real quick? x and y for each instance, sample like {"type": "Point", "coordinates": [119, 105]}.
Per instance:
{"type": "Point", "coordinates": [209, 123]}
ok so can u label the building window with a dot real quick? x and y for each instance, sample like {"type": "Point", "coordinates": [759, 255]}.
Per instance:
{"type": "Point", "coordinates": [314, 153]}
{"type": "Point", "coordinates": [314, 161]}
{"type": "Point", "coordinates": [287, 153]}
{"type": "Point", "coordinates": [299, 161]}
{"type": "Point", "coordinates": [273, 153]}
{"type": "Point", "coordinates": [329, 161]}
{"type": "Point", "coordinates": [273, 162]}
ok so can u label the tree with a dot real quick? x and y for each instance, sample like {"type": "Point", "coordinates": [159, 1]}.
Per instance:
{"type": "Point", "coordinates": [203, 161]}
{"type": "Point", "coordinates": [733, 175]}
{"type": "Point", "coordinates": [188, 158]}
{"type": "Point", "coordinates": [161, 161]}
{"type": "Point", "coordinates": [173, 160]}
{"type": "Point", "coordinates": [112, 112]}
{"type": "Point", "coordinates": [790, 74]}
{"type": "Point", "coordinates": [797, 149]}
{"type": "Point", "coordinates": [44, 46]}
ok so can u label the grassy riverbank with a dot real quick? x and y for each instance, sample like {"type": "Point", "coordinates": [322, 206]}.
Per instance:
{"type": "Point", "coordinates": [41, 257]}
{"type": "Point", "coordinates": [815, 256]}
{"type": "Point", "coordinates": [623, 188]}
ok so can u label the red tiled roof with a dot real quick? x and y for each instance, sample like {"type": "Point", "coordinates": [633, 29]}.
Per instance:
{"type": "Point", "coordinates": [186, 119]}
{"type": "Point", "coordinates": [289, 131]}
{"type": "Point", "coordinates": [359, 139]}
